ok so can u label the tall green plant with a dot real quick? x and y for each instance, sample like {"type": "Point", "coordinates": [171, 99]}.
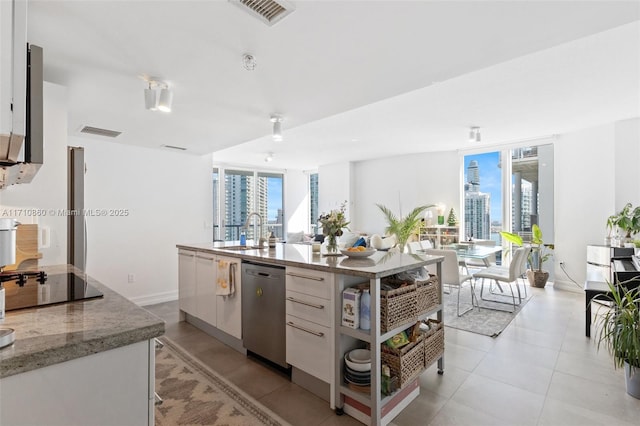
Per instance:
{"type": "Point", "coordinates": [402, 227]}
{"type": "Point", "coordinates": [537, 246]}
{"type": "Point", "coordinates": [619, 327]}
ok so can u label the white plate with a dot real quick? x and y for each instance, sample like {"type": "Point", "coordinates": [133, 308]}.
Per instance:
{"type": "Point", "coordinates": [368, 252]}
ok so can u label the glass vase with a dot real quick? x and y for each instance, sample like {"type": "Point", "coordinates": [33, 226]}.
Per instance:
{"type": "Point", "coordinates": [332, 244]}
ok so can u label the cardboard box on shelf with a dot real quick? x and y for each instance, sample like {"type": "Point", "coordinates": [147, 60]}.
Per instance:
{"type": "Point", "coordinates": [351, 307]}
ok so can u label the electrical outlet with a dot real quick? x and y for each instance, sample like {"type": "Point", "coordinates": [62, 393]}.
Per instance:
{"type": "Point", "coordinates": [131, 278]}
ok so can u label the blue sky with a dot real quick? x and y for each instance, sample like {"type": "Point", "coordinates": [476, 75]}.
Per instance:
{"type": "Point", "coordinates": [274, 200]}
{"type": "Point", "coordinates": [490, 179]}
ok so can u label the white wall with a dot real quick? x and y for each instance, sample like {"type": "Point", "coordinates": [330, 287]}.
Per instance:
{"type": "Point", "coordinates": [169, 199]}
{"type": "Point", "coordinates": [584, 196]}
{"type": "Point", "coordinates": [627, 163]}
{"type": "Point", "coordinates": [48, 190]}
{"type": "Point", "coordinates": [168, 195]}
{"type": "Point", "coordinates": [336, 185]}
{"type": "Point", "coordinates": [403, 183]}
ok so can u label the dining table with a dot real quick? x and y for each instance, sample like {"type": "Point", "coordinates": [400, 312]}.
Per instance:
{"type": "Point", "coordinates": [474, 251]}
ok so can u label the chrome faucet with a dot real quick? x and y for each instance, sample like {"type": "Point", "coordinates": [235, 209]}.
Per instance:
{"type": "Point", "coordinates": [261, 239]}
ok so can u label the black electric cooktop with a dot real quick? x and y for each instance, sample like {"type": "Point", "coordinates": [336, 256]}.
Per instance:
{"type": "Point", "coordinates": [56, 289]}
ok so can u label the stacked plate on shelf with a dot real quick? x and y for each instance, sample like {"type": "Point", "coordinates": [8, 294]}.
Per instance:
{"type": "Point", "coordinates": [357, 369]}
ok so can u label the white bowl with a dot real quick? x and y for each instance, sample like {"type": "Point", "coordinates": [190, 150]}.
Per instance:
{"type": "Point", "coordinates": [368, 252]}
{"type": "Point", "coordinates": [360, 356]}
{"type": "Point", "coordinates": [357, 366]}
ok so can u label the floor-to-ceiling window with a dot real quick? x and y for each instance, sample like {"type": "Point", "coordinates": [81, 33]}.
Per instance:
{"type": "Point", "coordinates": [237, 193]}
{"type": "Point", "coordinates": [270, 202]}
{"type": "Point", "coordinates": [490, 206]}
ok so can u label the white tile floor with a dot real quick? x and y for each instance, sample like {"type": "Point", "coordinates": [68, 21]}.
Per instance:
{"type": "Point", "coordinates": [541, 370]}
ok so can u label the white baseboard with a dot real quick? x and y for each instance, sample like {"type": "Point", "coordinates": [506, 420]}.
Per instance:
{"type": "Point", "coordinates": [567, 286]}
{"type": "Point", "coordinates": [152, 299]}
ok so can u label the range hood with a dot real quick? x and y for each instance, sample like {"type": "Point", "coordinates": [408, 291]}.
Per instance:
{"type": "Point", "coordinates": [21, 114]}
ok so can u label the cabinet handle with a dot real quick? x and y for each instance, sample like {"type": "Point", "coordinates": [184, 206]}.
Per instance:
{"type": "Point", "coordinates": [204, 257]}
{"type": "Point", "coordinates": [315, 333]}
{"type": "Point", "coordinates": [308, 277]}
{"type": "Point", "coordinates": [313, 305]}
{"type": "Point", "coordinates": [186, 254]}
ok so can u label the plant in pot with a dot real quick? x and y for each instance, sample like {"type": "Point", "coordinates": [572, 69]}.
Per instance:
{"type": "Point", "coordinates": [618, 329]}
{"type": "Point", "coordinates": [402, 227]}
{"type": "Point", "coordinates": [627, 220]}
{"type": "Point", "coordinates": [539, 254]}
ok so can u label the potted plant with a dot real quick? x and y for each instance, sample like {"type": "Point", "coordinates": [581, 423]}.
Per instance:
{"type": "Point", "coordinates": [539, 254]}
{"type": "Point", "coordinates": [619, 331]}
{"type": "Point", "coordinates": [627, 220]}
{"type": "Point", "coordinates": [402, 227]}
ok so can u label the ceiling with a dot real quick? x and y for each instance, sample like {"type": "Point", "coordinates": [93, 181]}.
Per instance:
{"type": "Point", "coordinates": [353, 80]}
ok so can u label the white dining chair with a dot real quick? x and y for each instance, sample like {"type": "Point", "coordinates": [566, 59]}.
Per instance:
{"type": "Point", "coordinates": [507, 276]}
{"type": "Point", "coordinates": [451, 275]}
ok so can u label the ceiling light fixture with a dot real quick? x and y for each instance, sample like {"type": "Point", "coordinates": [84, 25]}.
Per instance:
{"type": "Point", "coordinates": [276, 119]}
{"type": "Point", "coordinates": [474, 134]}
{"type": "Point", "coordinates": [150, 98]}
{"type": "Point", "coordinates": [166, 98]}
{"type": "Point", "coordinates": [269, 157]}
{"type": "Point", "coordinates": [152, 101]}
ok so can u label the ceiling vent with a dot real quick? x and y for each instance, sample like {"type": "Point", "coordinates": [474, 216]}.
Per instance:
{"type": "Point", "coordinates": [179, 148]}
{"type": "Point", "coordinates": [268, 11]}
{"type": "Point", "coordinates": [100, 132]}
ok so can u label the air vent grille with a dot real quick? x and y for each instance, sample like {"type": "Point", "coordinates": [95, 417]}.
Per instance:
{"type": "Point", "coordinates": [179, 148]}
{"type": "Point", "coordinates": [268, 11]}
{"type": "Point", "coordinates": [100, 132]}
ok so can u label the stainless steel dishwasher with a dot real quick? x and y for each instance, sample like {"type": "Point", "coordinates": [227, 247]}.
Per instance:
{"type": "Point", "coordinates": [263, 311]}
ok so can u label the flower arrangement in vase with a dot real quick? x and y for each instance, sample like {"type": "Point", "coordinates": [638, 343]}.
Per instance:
{"type": "Point", "coordinates": [332, 225]}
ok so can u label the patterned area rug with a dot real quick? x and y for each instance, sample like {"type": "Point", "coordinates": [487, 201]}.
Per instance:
{"type": "Point", "coordinates": [491, 319]}
{"type": "Point", "coordinates": [193, 394]}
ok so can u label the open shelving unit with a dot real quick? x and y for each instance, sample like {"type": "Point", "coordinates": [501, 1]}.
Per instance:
{"type": "Point", "coordinates": [382, 409]}
{"type": "Point", "coordinates": [440, 235]}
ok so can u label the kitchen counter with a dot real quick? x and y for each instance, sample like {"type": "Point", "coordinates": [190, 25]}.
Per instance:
{"type": "Point", "coordinates": [378, 265]}
{"type": "Point", "coordinates": [54, 334]}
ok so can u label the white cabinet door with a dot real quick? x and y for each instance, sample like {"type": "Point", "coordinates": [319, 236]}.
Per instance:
{"type": "Point", "coordinates": [206, 287]}
{"type": "Point", "coordinates": [309, 347]}
{"type": "Point", "coordinates": [103, 389]}
{"type": "Point", "coordinates": [229, 308]}
{"type": "Point", "coordinates": [187, 281]}
{"type": "Point", "coordinates": [311, 282]}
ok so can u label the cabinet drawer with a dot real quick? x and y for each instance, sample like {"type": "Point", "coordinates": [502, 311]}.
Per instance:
{"type": "Point", "coordinates": [310, 348]}
{"type": "Point", "coordinates": [307, 281]}
{"type": "Point", "coordinates": [310, 308]}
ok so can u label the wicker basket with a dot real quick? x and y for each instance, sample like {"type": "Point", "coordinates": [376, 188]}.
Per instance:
{"type": "Point", "coordinates": [433, 342]}
{"type": "Point", "coordinates": [428, 294]}
{"type": "Point", "coordinates": [407, 362]}
{"type": "Point", "coordinates": [398, 307]}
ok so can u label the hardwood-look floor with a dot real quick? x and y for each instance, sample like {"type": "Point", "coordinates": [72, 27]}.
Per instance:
{"type": "Point", "coordinates": [541, 370]}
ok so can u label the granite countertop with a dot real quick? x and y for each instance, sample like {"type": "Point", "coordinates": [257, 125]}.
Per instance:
{"type": "Point", "coordinates": [378, 265]}
{"type": "Point", "coordinates": [58, 333]}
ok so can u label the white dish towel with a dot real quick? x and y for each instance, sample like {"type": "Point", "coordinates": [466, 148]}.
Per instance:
{"type": "Point", "coordinates": [226, 283]}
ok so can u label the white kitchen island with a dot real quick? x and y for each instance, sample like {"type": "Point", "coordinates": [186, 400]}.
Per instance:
{"type": "Point", "coordinates": [80, 363]}
{"type": "Point", "coordinates": [316, 341]}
